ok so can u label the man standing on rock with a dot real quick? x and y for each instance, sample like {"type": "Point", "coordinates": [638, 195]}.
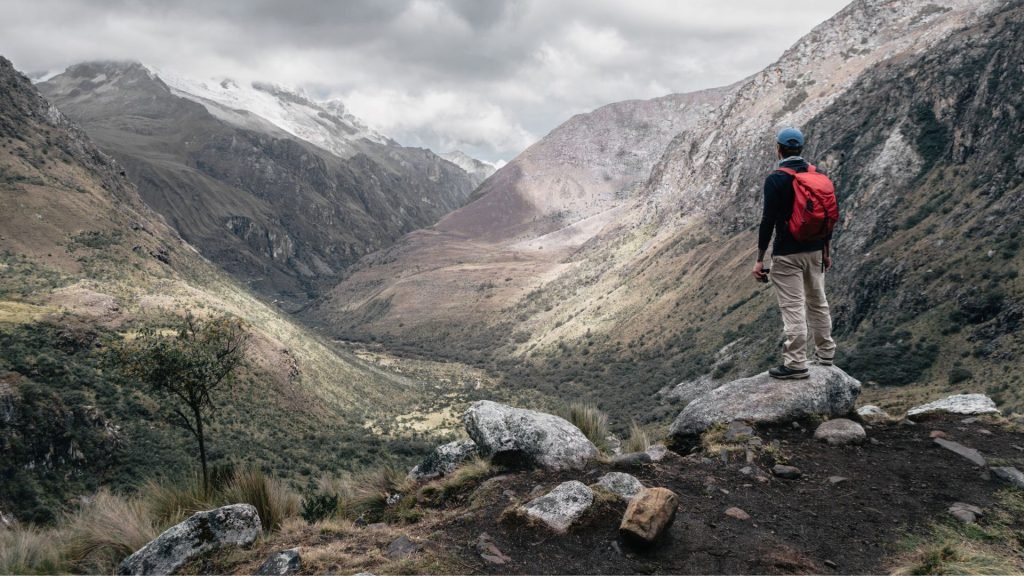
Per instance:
{"type": "Point", "coordinates": [798, 267]}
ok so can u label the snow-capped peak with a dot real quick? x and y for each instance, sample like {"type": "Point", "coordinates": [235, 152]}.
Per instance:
{"type": "Point", "coordinates": [327, 125]}
{"type": "Point", "coordinates": [471, 165]}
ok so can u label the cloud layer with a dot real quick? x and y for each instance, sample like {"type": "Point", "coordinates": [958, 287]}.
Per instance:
{"type": "Point", "coordinates": [485, 76]}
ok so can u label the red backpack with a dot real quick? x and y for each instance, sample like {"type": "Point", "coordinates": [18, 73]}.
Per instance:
{"type": "Point", "coordinates": [815, 211]}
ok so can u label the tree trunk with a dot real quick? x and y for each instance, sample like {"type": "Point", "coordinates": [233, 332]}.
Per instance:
{"type": "Point", "coordinates": [202, 450]}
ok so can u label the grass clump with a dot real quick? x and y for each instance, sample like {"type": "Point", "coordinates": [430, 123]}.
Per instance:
{"type": "Point", "coordinates": [272, 499]}
{"type": "Point", "coordinates": [992, 546]}
{"type": "Point", "coordinates": [591, 421]}
{"type": "Point", "coordinates": [381, 494]}
{"type": "Point", "coordinates": [105, 531]}
{"type": "Point", "coordinates": [463, 479]}
{"type": "Point", "coordinates": [639, 439]}
{"type": "Point", "coordinates": [170, 503]}
{"type": "Point", "coordinates": [31, 551]}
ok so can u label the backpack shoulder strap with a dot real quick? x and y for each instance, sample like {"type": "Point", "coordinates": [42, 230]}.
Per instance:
{"type": "Point", "coordinates": [789, 171]}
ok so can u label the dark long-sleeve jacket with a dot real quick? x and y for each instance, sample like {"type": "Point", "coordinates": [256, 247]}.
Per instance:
{"type": "Point", "coordinates": [778, 207]}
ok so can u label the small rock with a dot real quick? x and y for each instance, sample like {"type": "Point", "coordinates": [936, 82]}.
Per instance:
{"type": "Point", "coordinates": [1010, 475]}
{"type": "Point", "coordinates": [489, 551]}
{"type": "Point", "coordinates": [631, 460]}
{"type": "Point", "coordinates": [737, 513]}
{"type": "Point", "coordinates": [984, 432]}
{"type": "Point", "coordinates": [746, 471]}
{"type": "Point", "coordinates": [936, 434]}
{"type": "Point", "coordinates": [281, 564]}
{"type": "Point", "coordinates": [402, 547]}
{"type": "Point", "coordinates": [966, 513]}
{"type": "Point", "coordinates": [755, 442]}
{"type": "Point", "coordinates": [970, 454]}
{"type": "Point", "coordinates": [738, 431]}
{"type": "Point", "coordinates": [970, 420]}
{"type": "Point", "coordinates": [872, 414]}
{"type": "Point", "coordinates": [648, 516]}
{"type": "Point", "coordinates": [831, 564]}
{"type": "Point", "coordinates": [444, 460]}
{"type": "Point", "coordinates": [966, 404]}
{"type": "Point", "coordinates": [873, 441]}
{"type": "Point", "coordinates": [796, 425]}
{"type": "Point", "coordinates": [657, 452]}
{"type": "Point", "coordinates": [840, 431]}
{"type": "Point", "coordinates": [907, 422]}
{"type": "Point", "coordinates": [837, 479]}
{"type": "Point", "coordinates": [621, 484]}
{"type": "Point", "coordinates": [562, 506]}
{"type": "Point", "coordinates": [786, 472]}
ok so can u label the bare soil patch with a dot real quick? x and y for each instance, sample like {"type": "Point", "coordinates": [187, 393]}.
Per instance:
{"type": "Point", "coordinates": [895, 486]}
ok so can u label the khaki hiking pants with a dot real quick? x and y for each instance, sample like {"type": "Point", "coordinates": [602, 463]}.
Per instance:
{"type": "Point", "coordinates": [800, 286]}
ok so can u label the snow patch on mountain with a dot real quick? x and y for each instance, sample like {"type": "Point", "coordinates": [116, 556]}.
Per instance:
{"type": "Point", "coordinates": [328, 125]}
{"type": "Point", "coordinates": [473, 166]}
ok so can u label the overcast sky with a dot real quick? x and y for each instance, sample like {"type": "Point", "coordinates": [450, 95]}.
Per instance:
{"type": "Point", "coordinates": [485, 76]}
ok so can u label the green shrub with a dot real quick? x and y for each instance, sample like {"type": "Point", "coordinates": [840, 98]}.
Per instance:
{"type": "Point", "coordinates": [958, 374]}
{"type": "Point", "coordinates": [890, 358]}
{"type": "Point", "coordinates": [317, 507]}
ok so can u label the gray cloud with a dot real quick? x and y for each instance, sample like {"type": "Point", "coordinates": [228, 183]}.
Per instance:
{"type": "Point", "coordinates": [487, 76]}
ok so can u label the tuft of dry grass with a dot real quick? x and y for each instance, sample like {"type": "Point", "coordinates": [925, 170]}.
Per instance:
{"type": "Point", "coordinates": [172, 502]}
{"type": "Point", "coordinates": [591, 421]}
{"type": "Point", "coordinates": [105, 531]}
{"type": "Point", "coordinates": [464, 478]}
{"type": "Point", "coordinates": [28, 550]}
{"type": "Point", "coordinates": [995, 545]}
{"type": "Point", "coordinates": [365, 494]}
{"type": "Point", "coordinates": [639, 439]}
{"type": "Point", "coordinates": [950, 555]}
{"type": "Point", "coordinates": [273, 500]}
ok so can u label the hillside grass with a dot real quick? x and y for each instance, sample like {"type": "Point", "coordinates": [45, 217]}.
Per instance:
{"type": "Point", "coordinates": [995, 545]}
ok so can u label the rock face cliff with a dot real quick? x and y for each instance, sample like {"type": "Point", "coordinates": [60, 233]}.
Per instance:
{"type": "Point", "coordinates": [284, 202]}
{"type": "Point", "coordinates": [639, 281]}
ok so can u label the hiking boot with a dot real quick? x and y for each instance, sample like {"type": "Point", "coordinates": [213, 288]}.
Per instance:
{"type": "Point", "coordinates": [783, 373]}
{"type": "Point", "coordinates": [822, 361]}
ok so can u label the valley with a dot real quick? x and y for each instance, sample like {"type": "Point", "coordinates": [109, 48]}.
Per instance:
{"type": "Point", "coordinates": [602, 275]}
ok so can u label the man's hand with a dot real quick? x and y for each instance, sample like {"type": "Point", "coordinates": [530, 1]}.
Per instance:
{"type": "Point", "coordinates": [758, 272]}
{"type": "Point", "coordinates": [826, 261]}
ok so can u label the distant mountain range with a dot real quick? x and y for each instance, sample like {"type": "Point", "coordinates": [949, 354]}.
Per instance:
{"type": "Point", "coordinates": [281, 191]}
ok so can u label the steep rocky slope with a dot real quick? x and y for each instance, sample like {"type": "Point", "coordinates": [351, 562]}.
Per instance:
{"type": "Point", "coordinates": [914, 107]}
{"type": "Point", "coordinates": [283, 202]}
{"type": "Point", "coordinates": [83, 263]}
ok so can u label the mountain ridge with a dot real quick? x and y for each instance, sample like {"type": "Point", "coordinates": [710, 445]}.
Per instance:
{"type": "Point", "coordinates": [296, 214]}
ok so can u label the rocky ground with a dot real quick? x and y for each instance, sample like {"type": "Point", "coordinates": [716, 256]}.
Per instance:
{"type": "Point", "coordinates": [852, 509]}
